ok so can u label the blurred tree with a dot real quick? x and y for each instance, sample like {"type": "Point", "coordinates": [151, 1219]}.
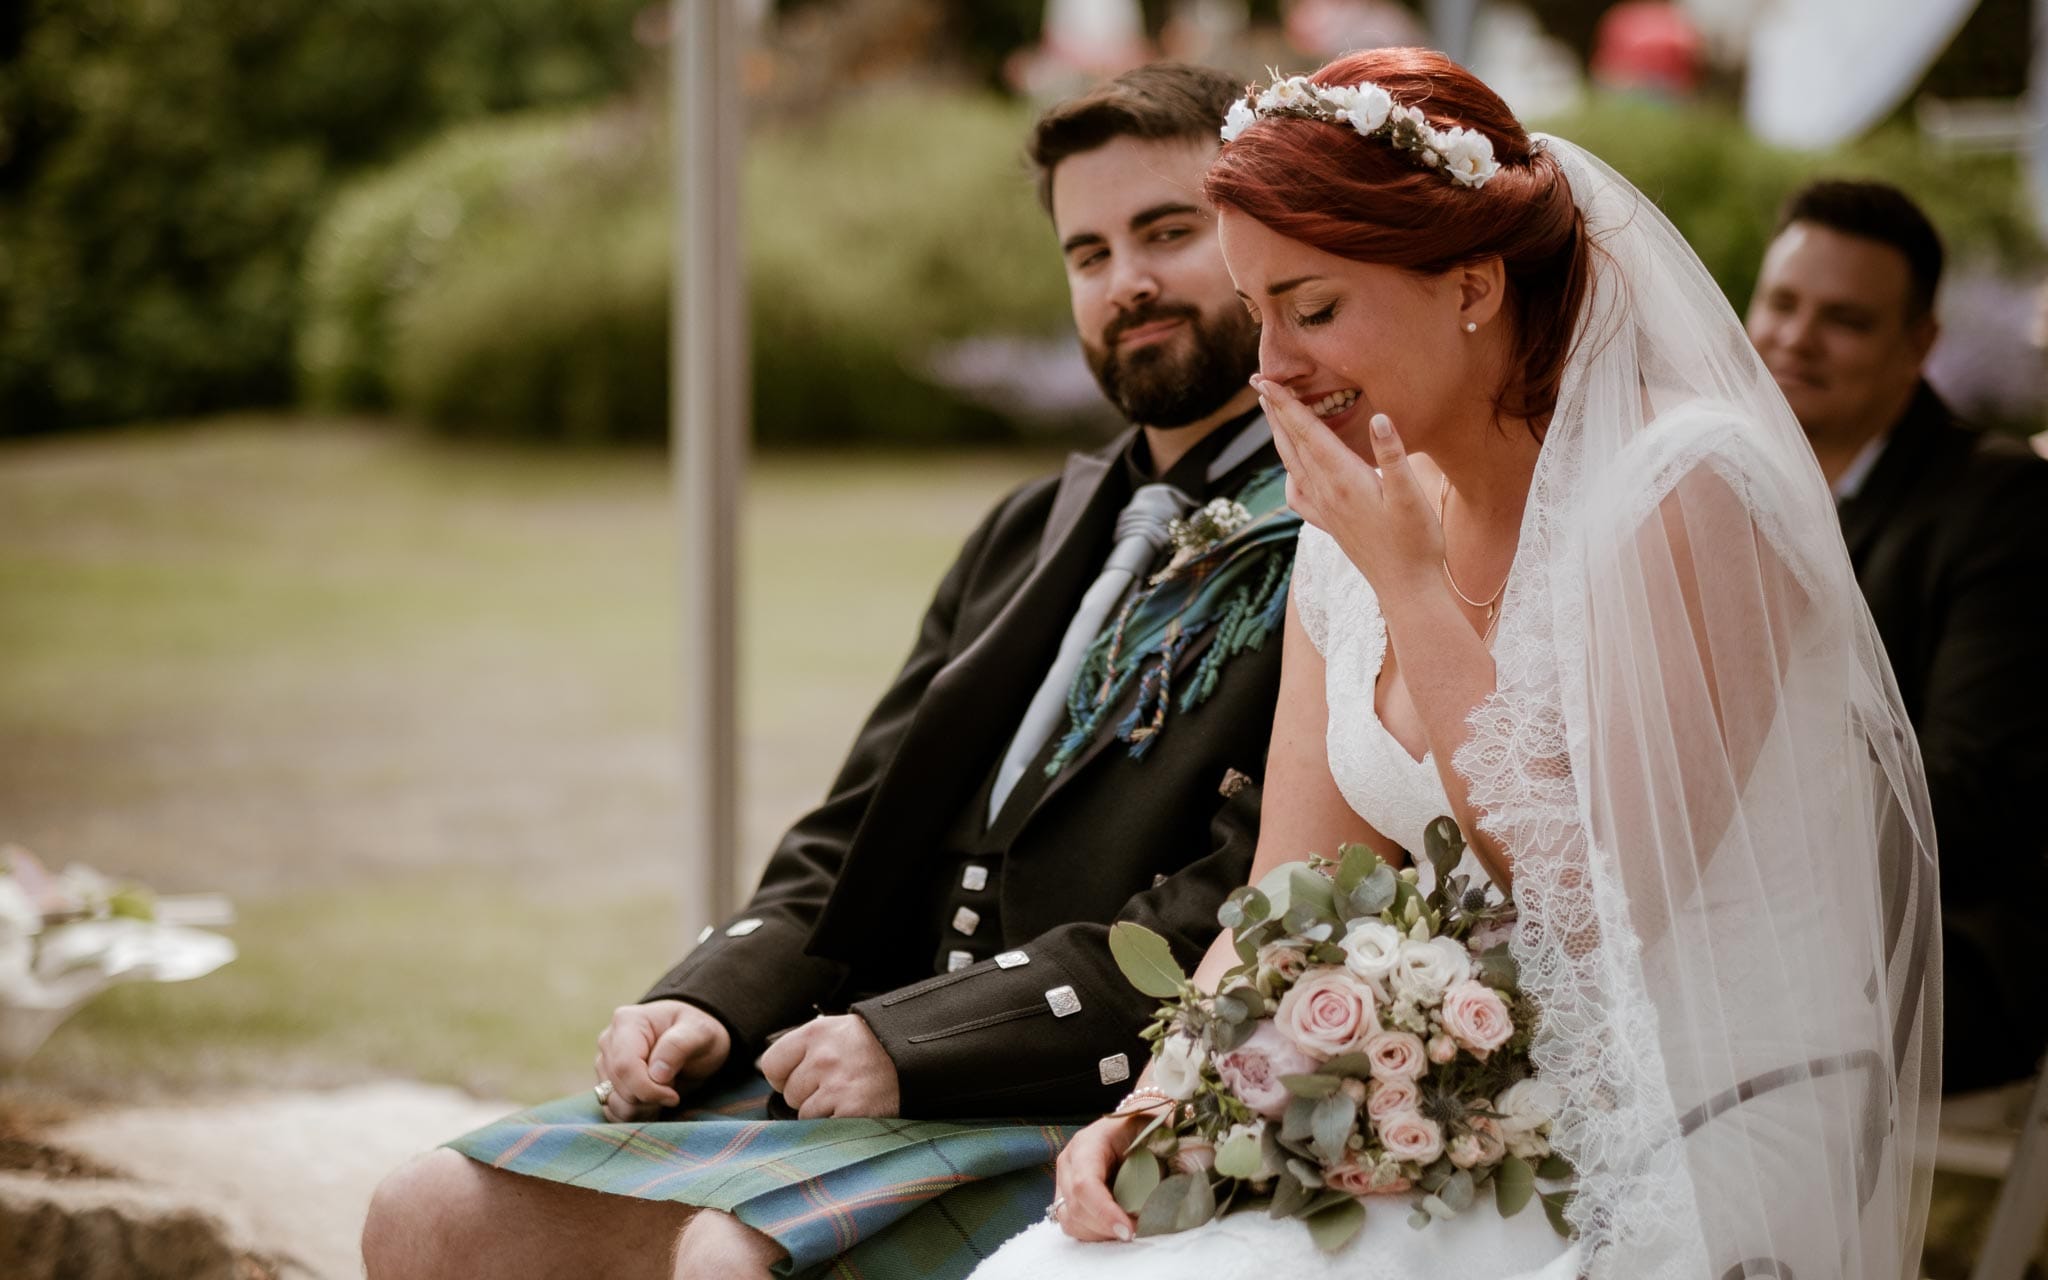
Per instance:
{"type": "Point", "coordinates": [162, 160]}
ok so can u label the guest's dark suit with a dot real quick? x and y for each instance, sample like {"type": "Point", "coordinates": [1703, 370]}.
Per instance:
{"type": "Point", "coordinates": [863, 887]}
{"type": "Point", "coordinates": [1949, 536]}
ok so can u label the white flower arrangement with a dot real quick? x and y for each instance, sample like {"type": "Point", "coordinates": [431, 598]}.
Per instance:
{"type": "Point", "coordinates": [1465, 156]}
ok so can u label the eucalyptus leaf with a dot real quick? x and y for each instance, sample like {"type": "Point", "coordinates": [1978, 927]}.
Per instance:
{"type": "Point", "coordinates": [1136, 1180]}
{"type": "Point", "coordinates": [1163, 1206]}
{"type": "Point", "coordinates": [1418, 1219]}
{"type": "Point", "coordinates": [1335, 1226]}
{"type": "Point", "coordinates": [1311, 1085]}
{"type": "Point", "coordinates": [1513, 1185]}
{"type": "Point", "coordinates": [1332, 1125]}
{"type": "Point", "coordinates": [1230, 1009]}
{"type": "Point", "coordinates": [1358, 863]}
{"type": "Point", "coordinates": [1297, 1123]}
{"type": "Point", "coordinates": [1301, 917]}
{"type": "Point", "coordinates": [1146, 959]}
{"type": "Point", "coordinates": [1458, 1192]}
{"type": "Point", "coordinates": [1354, 1066]}
{"type": "Point", "coordinates": [1497, 968]}
{"type": "Point", "coordinates": [1312, 888]}
{"type": "Point", "coordinates": [1230, 915]}
{"type": "Point", "coordinates": [1289, 1196]}
{"type": "Point", "coordinates": [1225, 1036]}
{"type": "Point", "coordinates": [1373, 894]}
{"type": "Point", "coordinates": [1197, 1205]}
{"type": "Point", "coordinates": [1444, 844]}
{"type": "Point", "coordinates": [1247, 950]}
{"type": "Point", "coordinates": [1240, 1158]}
{"type": "Point", "coordinates": [1553, 1209]}
{"type": "Point", "coordinates": [1555, 1168]}
{"type": "Point", "coordinates": [1306, 1174]}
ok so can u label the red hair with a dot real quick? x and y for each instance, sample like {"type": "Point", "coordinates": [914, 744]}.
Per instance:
{"type": "Point", "coordinates": [1359, 198]}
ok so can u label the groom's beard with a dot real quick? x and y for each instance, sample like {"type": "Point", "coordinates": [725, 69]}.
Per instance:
{"type": "Point", "coordinates": [1183, 379]}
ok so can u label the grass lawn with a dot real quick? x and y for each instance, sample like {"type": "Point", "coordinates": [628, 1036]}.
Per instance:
{"type": "Point", "coordinates": [412, 705]}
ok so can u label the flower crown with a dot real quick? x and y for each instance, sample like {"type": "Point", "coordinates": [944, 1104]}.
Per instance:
{"type": "Point", "coordinates": [1462, 155]}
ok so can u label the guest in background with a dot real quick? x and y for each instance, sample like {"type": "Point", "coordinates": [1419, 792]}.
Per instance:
{"type": "Point", "coordinates": [1948, 530]}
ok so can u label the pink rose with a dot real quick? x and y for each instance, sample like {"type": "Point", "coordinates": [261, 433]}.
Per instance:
{"type": "Point", "coordinates": [1282, 959]}
{"type": "Point", "coordinates": [1442, 1049]}
{"type": "Point", "coordinates": [1391, 1097]}
{"type": "Point", "coordinates": [1476, 1017]}
{"type": "Point", "coordinates": [1396, 1055]}
{"type": "Point", "coordinates": [1480, 1145]}
{"type": "Point", "coordinates": [1252, 1071]}
{"type": "Point", "coordinates": [1408, 1135]}
{"type": "Point", "coordinates": [1352, 1176]}
{"type": "Point", "coordinates": [1194, 1156]}
{"type": "Point", "coordinates": [1327, 1013]}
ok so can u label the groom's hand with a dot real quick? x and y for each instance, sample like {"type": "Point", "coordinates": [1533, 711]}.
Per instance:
{"type": "Point", "coordinates": [833, 1066]}
{"type": "Point", "coordinates": [653, 1052]}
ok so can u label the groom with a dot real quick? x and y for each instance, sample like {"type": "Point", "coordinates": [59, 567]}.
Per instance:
{"type": "Point", "coordinates": [1072, 741]}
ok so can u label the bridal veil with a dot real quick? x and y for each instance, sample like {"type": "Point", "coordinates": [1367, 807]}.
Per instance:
{"type": "Point", "coordinates": [1700, 765]}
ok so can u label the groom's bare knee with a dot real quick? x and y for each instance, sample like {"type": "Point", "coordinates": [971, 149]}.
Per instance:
{"type": "Point", "coordinates": [444, 1215]}
{"type": "Point", "coordinates": [419, 1212]}
{"type": "Point", "coordinates": [718, 1246]}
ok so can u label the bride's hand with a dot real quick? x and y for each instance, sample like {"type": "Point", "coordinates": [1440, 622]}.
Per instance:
{"type": "Point", "coordinates": [1381, 518]}
{"type": "Point", "coordinates": [1088, 1210]}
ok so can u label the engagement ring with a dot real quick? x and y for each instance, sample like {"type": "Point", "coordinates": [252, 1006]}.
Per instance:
{"type": "Point", "coordinates": [1052, 1211]}
{"type": "Point", "coordinates": [603, 1090]}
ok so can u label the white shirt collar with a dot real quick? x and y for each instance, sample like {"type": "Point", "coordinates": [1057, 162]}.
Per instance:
{"type": "Point", "coordinates": [1850, 482]}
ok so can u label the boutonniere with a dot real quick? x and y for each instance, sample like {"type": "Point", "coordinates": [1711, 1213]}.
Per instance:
{"type": "Point", "coordinates": [1202, 532]}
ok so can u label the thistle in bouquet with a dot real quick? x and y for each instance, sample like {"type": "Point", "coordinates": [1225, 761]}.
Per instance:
{"type": "Point", "coordinates": [1372, 1042]}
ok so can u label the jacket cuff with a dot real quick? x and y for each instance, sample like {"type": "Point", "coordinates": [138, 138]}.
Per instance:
{"type": "Point", "coordinates": [1018, 1035]}
{"type": "Point", "coordinates": [752, 975]}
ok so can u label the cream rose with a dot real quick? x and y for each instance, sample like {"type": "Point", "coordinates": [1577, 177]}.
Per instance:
{"type": "Point", "coordinates": [1396, 1055]}
{"type": "Point", "coordinates": [1327, 1013]}
{"type": "Point", "coordinates": [1237, 120]}
{"type": "Point", "coordinates": [1391, 1097]}
{"type": "Point", "coordinates": [1408, 1135]}
{"type": "Point", "coordinates": [1426, 969]}
{"type": "Point", "coordinates": [1253, 1070]}
{"type": "Point", "coordinates": [1371, 950]}
{"type": "Point", "coordinates": [1177, 1069]}
{"type": "Point", "coordinates": [1527, 1108]}
{"type": "Point", "coordinates": [1194, 1156]}
{"type": "Point", "coordinates": [1475, 1016]}
{"type": "Point", "coordinates": [1467, 156]}
{"type": "Point", "coordinates": [1442, 1049]}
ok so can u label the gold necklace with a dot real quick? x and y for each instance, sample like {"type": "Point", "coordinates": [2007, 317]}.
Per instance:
{"type": "Point", "coordinates": [1492, 603]}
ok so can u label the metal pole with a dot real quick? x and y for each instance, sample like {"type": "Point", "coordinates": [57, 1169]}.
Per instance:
{"type": "Point", "coordinates": [708, 434]}
{"type": "Point", "coordinates": [1451, 26]}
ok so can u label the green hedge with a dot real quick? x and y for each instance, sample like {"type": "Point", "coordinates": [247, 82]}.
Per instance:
{"type": "Point", "coordinates": [161, 164]}
{"type": "Point", "coordinates": [1722, 188]}
{"type": "Point", "coordinates": [513, 277]}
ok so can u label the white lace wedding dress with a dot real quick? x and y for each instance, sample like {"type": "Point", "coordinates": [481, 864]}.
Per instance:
{"type": "Point", "coordinates": [1399, 795]}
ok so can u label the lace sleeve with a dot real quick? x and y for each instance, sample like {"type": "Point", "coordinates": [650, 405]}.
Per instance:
{"type": "Point", "coordinates": [1312, 581]}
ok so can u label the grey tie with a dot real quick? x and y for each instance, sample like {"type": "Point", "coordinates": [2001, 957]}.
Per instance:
{"type": "Point", "coordinates": [1140, 536]}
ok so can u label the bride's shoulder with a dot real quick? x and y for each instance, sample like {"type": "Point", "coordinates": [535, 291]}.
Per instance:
{"type": "Point", "coordinates": [1702, 443]}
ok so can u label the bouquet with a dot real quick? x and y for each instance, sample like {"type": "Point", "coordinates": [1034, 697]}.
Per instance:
{"type": "Point", "coordinates": [1372, 1042]}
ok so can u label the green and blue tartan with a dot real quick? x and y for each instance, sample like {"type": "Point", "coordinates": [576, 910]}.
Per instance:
{"type": "Point", "coordinates": [876, 1199]}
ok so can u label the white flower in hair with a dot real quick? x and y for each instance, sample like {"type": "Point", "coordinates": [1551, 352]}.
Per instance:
{"type": "Point", "coordinates": [1362, 106]}
{"type": "Point", "coordinates": [1240, 117]}
{"type": "Point", "coordinates": [1468, 156]}
{"type": "Point", "coordinates": [1295, 93]}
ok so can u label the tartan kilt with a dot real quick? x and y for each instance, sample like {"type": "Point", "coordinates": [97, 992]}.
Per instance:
{"type": "Point", "coordinates": [865, 1199]}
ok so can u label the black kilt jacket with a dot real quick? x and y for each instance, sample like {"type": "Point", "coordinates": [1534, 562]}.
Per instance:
{"type": "Point", "coordinates": [1949, 536]}
{"type": "Point", "coordinates": [842, 917]}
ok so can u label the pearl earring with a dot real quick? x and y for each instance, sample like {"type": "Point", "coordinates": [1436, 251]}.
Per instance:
{"type": "Point", "coordinates": [1471, 326]}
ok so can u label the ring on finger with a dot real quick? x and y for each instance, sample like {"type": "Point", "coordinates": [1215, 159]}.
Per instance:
{"type": "Point", "coordinates": [1053, 1210]}
{"type": "Point", "coordinates": [603, 1090]}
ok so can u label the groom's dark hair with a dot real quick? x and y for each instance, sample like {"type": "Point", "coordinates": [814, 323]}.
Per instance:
{"type": "Point", "coordinates": [1158, 101]}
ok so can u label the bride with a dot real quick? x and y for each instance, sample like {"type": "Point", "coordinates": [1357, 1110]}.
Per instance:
{"type": "Point", "coordinates": [1572, 577]}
